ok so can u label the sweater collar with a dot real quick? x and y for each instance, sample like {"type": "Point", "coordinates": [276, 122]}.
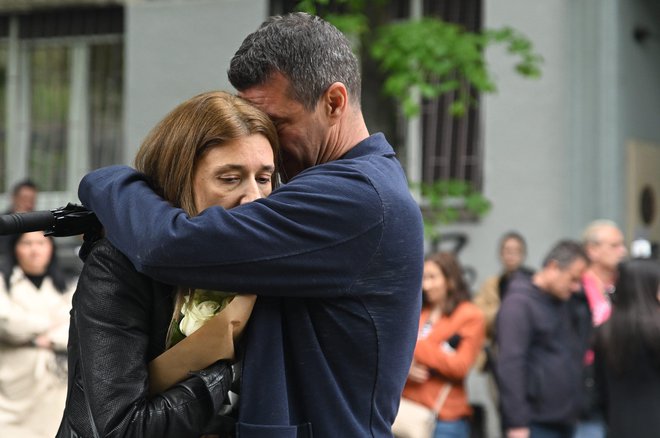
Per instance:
{"type": "Point", "coordinates": [374, 144]}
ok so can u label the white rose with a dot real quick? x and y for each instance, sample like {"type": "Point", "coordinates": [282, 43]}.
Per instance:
{"type": "Point", "coordinates": [196, 314]}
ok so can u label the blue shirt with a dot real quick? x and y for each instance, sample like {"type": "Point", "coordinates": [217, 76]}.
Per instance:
{"type": "Point", "coordinates": [336, 257]}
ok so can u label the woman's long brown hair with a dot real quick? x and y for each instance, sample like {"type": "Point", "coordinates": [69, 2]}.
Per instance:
{"type": "Point", "coordinates": [457, 290]}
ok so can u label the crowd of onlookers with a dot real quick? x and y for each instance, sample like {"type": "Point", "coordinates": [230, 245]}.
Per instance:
{"type": "Point", "coordinates": [570, 351]}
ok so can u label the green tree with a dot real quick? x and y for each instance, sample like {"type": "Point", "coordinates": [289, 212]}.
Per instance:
{"type": "Point", "coordinates": [426, 58]}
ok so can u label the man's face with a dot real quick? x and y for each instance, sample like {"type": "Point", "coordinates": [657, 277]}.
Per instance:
{"type": "Point", "coordinates": [609, 250]}
{"type": "Point", "coordinates": [25, 200]}
{"type": "Point", "coordinates": [564, 282]}
{"type": "Point", "coordinates": [302, 133]}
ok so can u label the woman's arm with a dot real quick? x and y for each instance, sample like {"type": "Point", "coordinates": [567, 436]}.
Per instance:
{"type": "Point", "coordinates": [470, 326]}
{"type": "Point", "coordinates": [17, 325]}
{"type": "Point", "coordinates": [112, 316]}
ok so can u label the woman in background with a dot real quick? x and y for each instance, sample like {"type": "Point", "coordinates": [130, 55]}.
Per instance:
{"type": "Point", "coordinates": [451, 334]}
{"type": "Point", "coordinates": [627, 353]}
{"type": "Point", "coordinates": [34, 322]}
{"type": "Point", "coordinates": [512, 253]}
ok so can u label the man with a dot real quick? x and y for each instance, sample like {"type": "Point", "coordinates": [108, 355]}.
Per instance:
{"type": "Point", "coordinates": [603, 242]}
{"type": "Point", "coordinates": [23, 199]}
{"type": "Point", "coordinates": [539, 364]}
{"type": "Point", "coordinates": [335, 254]}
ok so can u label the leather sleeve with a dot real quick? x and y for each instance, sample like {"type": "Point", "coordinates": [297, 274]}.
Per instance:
{"type": "Point", "coordinates": [112, 309]}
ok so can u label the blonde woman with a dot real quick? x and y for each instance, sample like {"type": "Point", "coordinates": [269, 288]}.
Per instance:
{"type": "Point", "coordinates": [214, 149]}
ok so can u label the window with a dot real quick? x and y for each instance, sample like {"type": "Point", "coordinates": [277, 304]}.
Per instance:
{"type": "Point", "coordinates": [50, 71]}
{"type": "Point", "coordinates": [3, 114]}
{"type": "Point", "coordinates": [62, 106]}
{"type": "Point", "coordinates": [450, 145]}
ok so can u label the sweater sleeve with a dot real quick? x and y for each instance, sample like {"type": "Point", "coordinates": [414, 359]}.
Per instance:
{"type": "Point", "coordinates": [112, 317]}
{"type": "Point", "coordinates": [514, 334]}
{"type": "Point", "coordinates": [303, 229]}
{"type": "Point", "coordinates": [470, 326]}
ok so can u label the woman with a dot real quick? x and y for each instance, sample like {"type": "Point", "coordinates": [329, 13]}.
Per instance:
{"type": "Point", "coordinates": [451, 333]}
{"type": "Point", "coordinates": [512, 253]}
{"type": "Point", "coordinates": [628, 353]}
{"type": "Point", "coordinates": [34, 318]}
{"type": "Point", "coordinates": [214, 149]}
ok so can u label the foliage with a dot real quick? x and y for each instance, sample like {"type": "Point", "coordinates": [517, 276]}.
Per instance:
{"type": "Point", "coordinates": [429, 55]}
{"type": "Point", "coordinates": [436, 57]}
{"type": "Point", "coordinates": [448, 201]}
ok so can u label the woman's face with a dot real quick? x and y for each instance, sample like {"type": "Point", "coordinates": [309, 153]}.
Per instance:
{"type": "Point", "coordinates": [512, 254]}
{"type": "Point", "coordinates": [434, 283]}
{"type": "Point", "coordinates": [33, 253]}
{"type": "Point", "coordinates": [233, 173]}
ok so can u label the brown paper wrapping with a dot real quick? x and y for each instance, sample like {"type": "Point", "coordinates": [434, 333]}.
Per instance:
{"type": "Point", "coordinates": [210, 343]}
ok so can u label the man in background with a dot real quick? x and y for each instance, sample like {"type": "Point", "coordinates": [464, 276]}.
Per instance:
{"type": "Point", "coordinates": [539, 358]}
{"type": "Point", "coordinates": [23, 199]}
{"type": "Point", "coordinates": [603, 242]}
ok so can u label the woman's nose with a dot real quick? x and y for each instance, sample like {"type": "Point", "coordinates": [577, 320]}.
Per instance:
{"type": "Point", "coordinates": [252, 193]}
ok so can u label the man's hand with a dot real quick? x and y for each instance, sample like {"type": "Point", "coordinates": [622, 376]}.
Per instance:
{"type": "Point", "coordinates": [418, 373]}
{"type": "Point", "coordinates": [518, 432]}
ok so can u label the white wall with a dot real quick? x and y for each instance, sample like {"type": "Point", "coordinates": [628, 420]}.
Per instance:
{"type": "Point", "coordinates": [525, 137]}
{"type": "Point", "coordinates": [176, 49]}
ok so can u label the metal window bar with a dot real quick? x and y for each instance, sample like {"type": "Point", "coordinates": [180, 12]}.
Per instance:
{"type": "Point", "coordinates": [106, 103]}
{"type": "Point", "coordinates": [49, 103]}
{"type": "Point", "coordinates": [3, 114]}
{"type": "Point", "coordinates": [450, 144]}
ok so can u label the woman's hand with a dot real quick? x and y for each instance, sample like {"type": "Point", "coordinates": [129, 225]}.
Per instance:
{"type": "Point", "coordinates": [43, 341]}
{"type": "Point", "coordinates": [418, 373]}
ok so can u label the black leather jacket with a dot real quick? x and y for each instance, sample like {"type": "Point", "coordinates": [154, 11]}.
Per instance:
{"type": "Point", "coordinates": [118, 324]}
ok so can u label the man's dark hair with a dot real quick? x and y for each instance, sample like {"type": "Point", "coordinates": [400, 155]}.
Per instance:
{"type": "Point", "coordinates": [564, 253]}
{"type": "Point", "coordinates": [25, 183]}
{"type": "Point", "coordinates": [310, 52]}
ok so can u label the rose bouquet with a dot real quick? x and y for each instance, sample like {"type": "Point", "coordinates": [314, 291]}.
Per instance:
{"type": "Point", "coordinates": [204, 332]}
{"type": "Point", "coordinates": [198, 307]}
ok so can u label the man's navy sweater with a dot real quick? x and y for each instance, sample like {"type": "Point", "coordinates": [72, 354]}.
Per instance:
{"type": "Point", "coordinates": [336, 257]}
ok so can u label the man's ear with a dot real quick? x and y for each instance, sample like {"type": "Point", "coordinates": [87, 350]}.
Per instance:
{"type": "Point", "coordinates": [335, 101]}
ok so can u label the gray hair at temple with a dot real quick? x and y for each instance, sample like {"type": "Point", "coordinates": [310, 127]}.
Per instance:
{"type": "Point", "coordinates": [564, 253]}
{"type": "Point", "coordinates": [310, 52]}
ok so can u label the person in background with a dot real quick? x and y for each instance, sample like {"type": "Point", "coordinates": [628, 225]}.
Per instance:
{"type": "Point", "coordinates": [604, 244]}
{"type": "Point", "coordinates": [512, 253]}
{"type": "Point", "coordinates": [23, 199]}
{"type": "Point", "coordinates": [35, 301]}
{"type": "Point", "coordinates": [212, 149]}
{"type": "Point", "coordinates": [627, 353]}
{"type": "Point", "coordinates": [451, 334]}
{"type": "Point", "coordinates": [539, 354]}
